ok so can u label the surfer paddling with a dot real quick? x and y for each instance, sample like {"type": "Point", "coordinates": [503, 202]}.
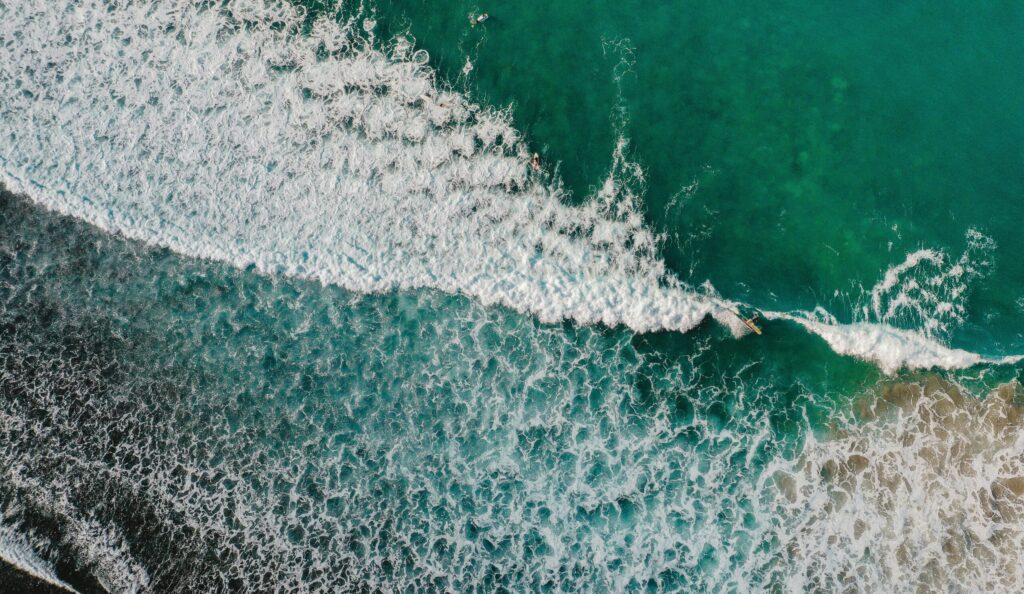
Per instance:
{"type": "Point", "coordinates": [535, 163]}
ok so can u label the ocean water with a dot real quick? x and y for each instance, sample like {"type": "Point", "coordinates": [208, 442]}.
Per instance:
{"type": "Point", "coordinates": [898, 125]}
{"type": "Point", "coordinates": [285, 308]}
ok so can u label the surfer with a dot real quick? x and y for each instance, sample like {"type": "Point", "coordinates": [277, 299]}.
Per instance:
{"type": "Point", "coordinates": [749, 322]}
{"type": "Point", "coordinates": [535, 162]}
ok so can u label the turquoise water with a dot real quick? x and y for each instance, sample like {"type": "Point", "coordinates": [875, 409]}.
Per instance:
{"type": "Point", "coordinates": [211, 380]}
{"type": "Point", "coordinates": [479, 439]}
{"type": "Point", "coordinates": [822, 141]}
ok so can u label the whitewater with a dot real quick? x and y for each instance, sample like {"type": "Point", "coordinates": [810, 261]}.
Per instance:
{"type": "Point", "coordinates": [176, 425]}
{"type": "Point", "coordinates": [234, 134]}
{"type": "Point", "coordinates": [293, 439]}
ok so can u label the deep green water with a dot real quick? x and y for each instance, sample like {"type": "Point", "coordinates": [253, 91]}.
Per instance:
{"type": "Point", "coordinates": [826, 140]}
{"type": "Point", "coordinates": [173, 423]}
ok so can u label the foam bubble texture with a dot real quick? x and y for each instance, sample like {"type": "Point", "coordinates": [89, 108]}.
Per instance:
{"type": "Point", "coordinates": [929, 290]}
{"type": "Point", "coordinates": [18, 549]}
{"type": "Point", "coordinates": [886, 346]}
{"type": "Point", "coordinates": [228, 133]}
{"type": "Point", "coordinates": [194, 428]}
{"type": "Point", "coordinates": [927, 495]}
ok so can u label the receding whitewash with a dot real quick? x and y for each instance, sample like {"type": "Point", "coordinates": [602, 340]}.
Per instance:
{"type": "Point", "coordinates": [924, 491]}
{"type": "Point", "coordinates": [17, 550]}
{"type": "Point", "coordinates": [229, 133]}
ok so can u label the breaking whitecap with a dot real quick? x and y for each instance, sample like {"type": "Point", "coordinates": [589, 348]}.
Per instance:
{"type": "Point", "coordinates": [231, 132]}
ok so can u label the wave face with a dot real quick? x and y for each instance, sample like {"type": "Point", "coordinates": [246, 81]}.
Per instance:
{"type": "Point", "coordinates": [230, 133]}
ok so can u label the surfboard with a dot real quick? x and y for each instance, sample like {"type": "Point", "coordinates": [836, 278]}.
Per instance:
{"type": "Point", "coordinates": [750, 323]}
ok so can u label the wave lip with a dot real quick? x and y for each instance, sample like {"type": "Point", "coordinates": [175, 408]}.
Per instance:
{"type": "Point", "coordinates": [888, 347]}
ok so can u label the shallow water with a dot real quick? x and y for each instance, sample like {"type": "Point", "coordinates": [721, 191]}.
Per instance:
{"type": "Point", "coordinates": [309, 321]}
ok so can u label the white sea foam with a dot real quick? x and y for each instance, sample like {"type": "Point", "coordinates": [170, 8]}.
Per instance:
{"type": "Point", "coordinates": [488, 484]}
{"type": "Point", "coordinates": [924, 493]}
{"type": "Point", "coordinates": [929, 290]}
{"type": "Point", "coordinates": [889, 347]}
{"type": "Point", "coordinates": [446, 446]}
{"type": "Point", "coordinates": [229, 133]}
{"type": "Point", "coordinates": [915, 303]}
{"type": "Point", "coordinates": [96, 546]}
{"type": "Point", "coordinates": [18, 549]}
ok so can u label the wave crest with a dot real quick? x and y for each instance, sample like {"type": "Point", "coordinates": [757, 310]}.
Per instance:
{"type": "Point", "coordinates": [236, 132]}
{"type": "Point", "coordinates": [231, 134]}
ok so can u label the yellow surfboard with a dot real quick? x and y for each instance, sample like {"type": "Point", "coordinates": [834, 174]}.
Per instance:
{"type": "Point", "coordinates": [749, 322]}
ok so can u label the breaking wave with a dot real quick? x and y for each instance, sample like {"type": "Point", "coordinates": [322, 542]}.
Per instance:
{"type": "Point", "coordinates": [910, 311]}
{"type": "Point", "coordinates": [19, 549]}
{"type": "Point", "coordinates": [244, 133]}
{"type": "Point", "coordinates": [230, 133]}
